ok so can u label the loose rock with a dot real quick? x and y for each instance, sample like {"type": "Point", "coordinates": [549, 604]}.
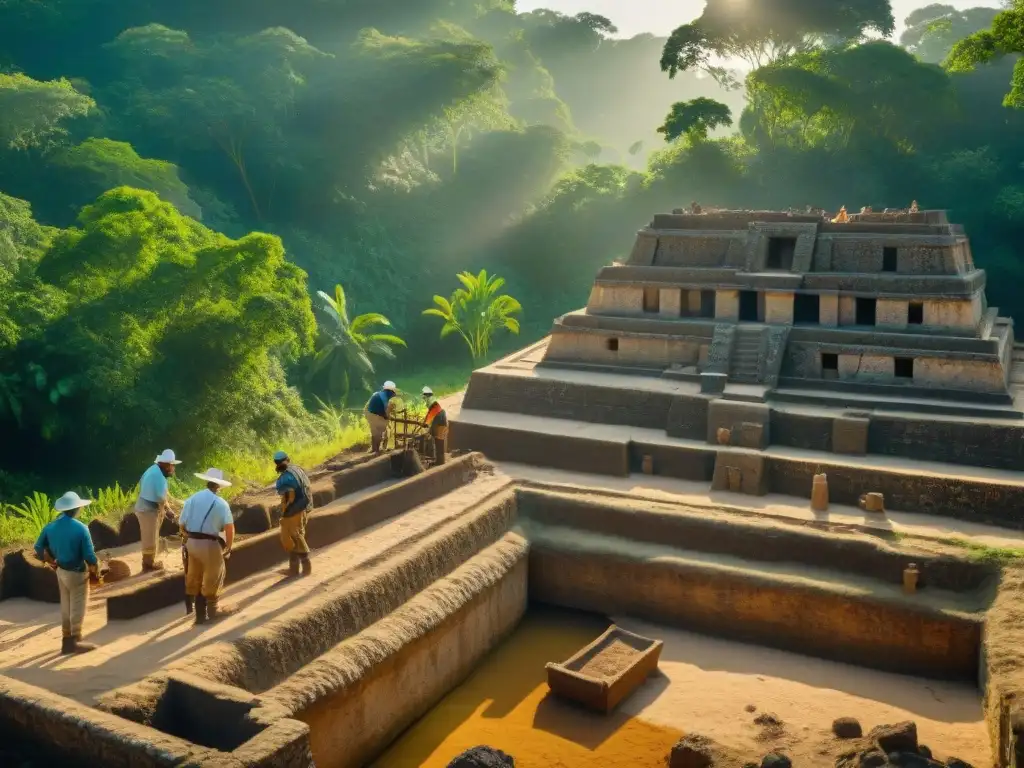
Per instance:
{"type": "Point", "coordinates": [253, 519]}
{"type": "Point", "coordinates": [117, 570]}
{"type": "Point", "coordinates": [847, 728]}
{"type": "Point", "coordinates": [956, 762]}
{"type": "Point", "coordinates": [104, 535]}
{"type": "Point", "coordinates": [483, 757]}
{"type": "Point", "coordinates": [776, 760]}
{"type": "Point", "coordinates": [693, 751]}
{"type": "Point", "coordinates": [901, 737]}
{"type": "Point", "coordinates": [873, 758]}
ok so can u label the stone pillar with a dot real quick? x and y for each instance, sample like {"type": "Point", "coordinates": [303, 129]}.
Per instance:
{"type": "Point", "coordinates": [828, 310]}
{"type": "Point", "coordinates": [778, 308]}
{"type": "Point", "coordinates": [670, 302]}
{"type": "Point", "coordinates": [819, 493]}
{"type": "Point", "coordinates": [847, 310]}
{"type": "Point", "coordinates": [727, 305]}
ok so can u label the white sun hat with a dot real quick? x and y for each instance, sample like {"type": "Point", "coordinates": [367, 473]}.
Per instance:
{"type": "Point", "coordinates": [213, 476]}
{"type": "Point", "coordinates": [389, 385]}
{"type": "Point", "coordinates": [70, 500]}
{"type": "Point", "coordinates": [428, 391]}
{"type": "Point", "coordinates": [167, 457]}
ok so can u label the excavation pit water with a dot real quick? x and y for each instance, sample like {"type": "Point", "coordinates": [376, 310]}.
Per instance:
{"type": "Point", "coordinates": [713, 687]}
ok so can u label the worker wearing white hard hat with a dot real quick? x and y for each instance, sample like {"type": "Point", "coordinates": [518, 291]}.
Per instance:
{"type": "Point", "coordinates": [152, 504]}
{"type": "Point", "coordinates": [377, 410]}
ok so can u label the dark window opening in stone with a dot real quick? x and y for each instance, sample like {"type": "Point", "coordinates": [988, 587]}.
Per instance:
{"type": "Point", "coordinates": [866, 311]}
{"type": "Point", "coordinates": [780, 253]}
{"type": "Point", "coordinates": [807, 308]}
{"type": "Point", "coordinates": [915, 313]}
{"type": "Point", "coordinates": [904, 367]}
{"type": "Point", "coordinates": [707, 303]}
{"type": "Point", "coordinates": [652, 300]}
{"type": "Point", "coordinates": [613, 345]}
{"type": "Point", "coordinates": [748, 306]}
{"type": "Point", "coordinates": [685, 310]}
{"type": "Point", "coordinates": [829, 365]}
{"type": "Point", "coordinates": [889, 260]}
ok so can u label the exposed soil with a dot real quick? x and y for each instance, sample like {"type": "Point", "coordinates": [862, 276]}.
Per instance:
{"type": "Point", "coordinates": [611, 660]}
{"type": "Point", "coordinates": [705, 686]}
{"type": "Point", "coordinates": [130, 650]}
{"type": "Point", "coordinates": [796, 699]}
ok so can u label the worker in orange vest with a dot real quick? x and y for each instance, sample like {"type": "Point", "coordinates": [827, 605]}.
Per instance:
{"type": "Point", "coordinates": [436, 423]}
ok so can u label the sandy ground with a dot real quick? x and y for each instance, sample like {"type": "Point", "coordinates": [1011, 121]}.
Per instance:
{"type": "Point", "coordinates": [704, 686]}
{"type": "Point", "coordinates": [806, 694]}
{"type": "Point", "coordinates": [130, 650]}
{"type": "Point", "coordinates": [773, 505]}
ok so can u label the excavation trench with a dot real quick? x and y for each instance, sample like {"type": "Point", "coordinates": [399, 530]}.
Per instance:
{"type": "Point", "coordinates": [360, 667]}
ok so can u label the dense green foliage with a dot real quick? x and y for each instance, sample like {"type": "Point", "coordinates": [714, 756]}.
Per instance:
{"type": "Point", "coordinates": [477, 311]}
{"type": "Point", "coordinates": [145, 148]}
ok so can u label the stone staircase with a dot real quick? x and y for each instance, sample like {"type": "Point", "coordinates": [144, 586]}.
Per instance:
{"type": "Point", "coordinates": [746, 355]}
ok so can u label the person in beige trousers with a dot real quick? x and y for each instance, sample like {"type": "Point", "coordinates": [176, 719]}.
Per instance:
{"type": "Point", "coordinates": [152, 505]}
{"type": "Point", "coordinates": [209, 531]}
{"type": "Point", "coordinates": [66, 546]}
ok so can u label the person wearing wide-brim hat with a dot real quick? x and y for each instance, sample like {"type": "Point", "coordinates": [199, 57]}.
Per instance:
{"type": "Point", "coordinates": [377, 408]}
{"type": "Point", "coordinates": [152, 504]}
{"type": "Point", "coordinates": [66, 545]}
{"type": "Point", "coordinates": [209, 531]}
{"type": "Point", "coordinates": [296, 494]}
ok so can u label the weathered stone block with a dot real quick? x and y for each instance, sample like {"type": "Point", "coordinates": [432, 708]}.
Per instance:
{"type": "Point", "coordinates": [741, 419]}
{"type": "Point", "coordinates": [750, 436]}
{"type": "Point", "coordinates": [850, 435]}
{"type": "Point", "coordinates": [713, 383]}
{"type": "Point", "coordinates": [740, 472]}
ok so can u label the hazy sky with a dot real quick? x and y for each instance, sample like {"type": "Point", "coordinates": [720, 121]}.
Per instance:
{"type": "Point", "coordinates": [662, 16]}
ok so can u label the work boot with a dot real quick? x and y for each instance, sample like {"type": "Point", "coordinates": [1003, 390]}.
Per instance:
{"type": "Point", "coordinates": [307, 566]}
{"type": "Point", "coordinates": [77, 646]}
{"type": "Point", "coordinates": [67, 645]}
{"type": "Point", "coordinates": [293, 564]}
{"type": "Point", "coordinates": [189, 604]}
{"type": "Point", "coordinates": [216, 611]}
{"type": "Point", "coordinates": [149, 563]}
{"type": "Point", "coordinates": [200, 610]}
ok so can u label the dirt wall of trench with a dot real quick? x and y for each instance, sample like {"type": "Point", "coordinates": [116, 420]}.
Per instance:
{"type": "Point", "coordinates": [361, 695]}
{"type": "Point", "coordinates": [790, 614]}
{"type": "Point", "coordinates": [61, 731]}
{"type": "Point", "coordinates": [752, 538]}
{"type": "Point", "coordinates": [962, 499]}
{"type": "Point", "coordinates": [325, 527]}
{"type": "Point", "coordinates": [573, 454]}
{"type": "Point", "coordinates": [1002, 676]}
{"type": "Point", "coordinates": [267, 656]}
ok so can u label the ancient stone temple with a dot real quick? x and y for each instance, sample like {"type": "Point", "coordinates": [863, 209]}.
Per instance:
{"type": "Point", "coordinates": [766, 331]}
{"type": "Point", "coordinates": [886, 304]}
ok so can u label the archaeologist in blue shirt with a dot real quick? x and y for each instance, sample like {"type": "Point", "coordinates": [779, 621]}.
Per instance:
{"type": "Point", "coordinates": [66, 545]}
{"type": "Point", "coordinates": [152, 504]}
{"type": "Point", "coordinates": [296, 504]}
{"type": "Point", "coordinates": [204, 518]}
{"type": "Point", "coordinates": [377, 413]}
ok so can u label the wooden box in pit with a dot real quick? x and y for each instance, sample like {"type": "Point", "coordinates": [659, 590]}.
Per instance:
{"type": "Point", "coordinates": [607, 671]}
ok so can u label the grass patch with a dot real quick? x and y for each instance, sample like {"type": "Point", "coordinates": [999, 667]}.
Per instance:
{"type": "Point", "coordinates": [337, 430]}
{"type": "Point", "coordinates": [980, 553]}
